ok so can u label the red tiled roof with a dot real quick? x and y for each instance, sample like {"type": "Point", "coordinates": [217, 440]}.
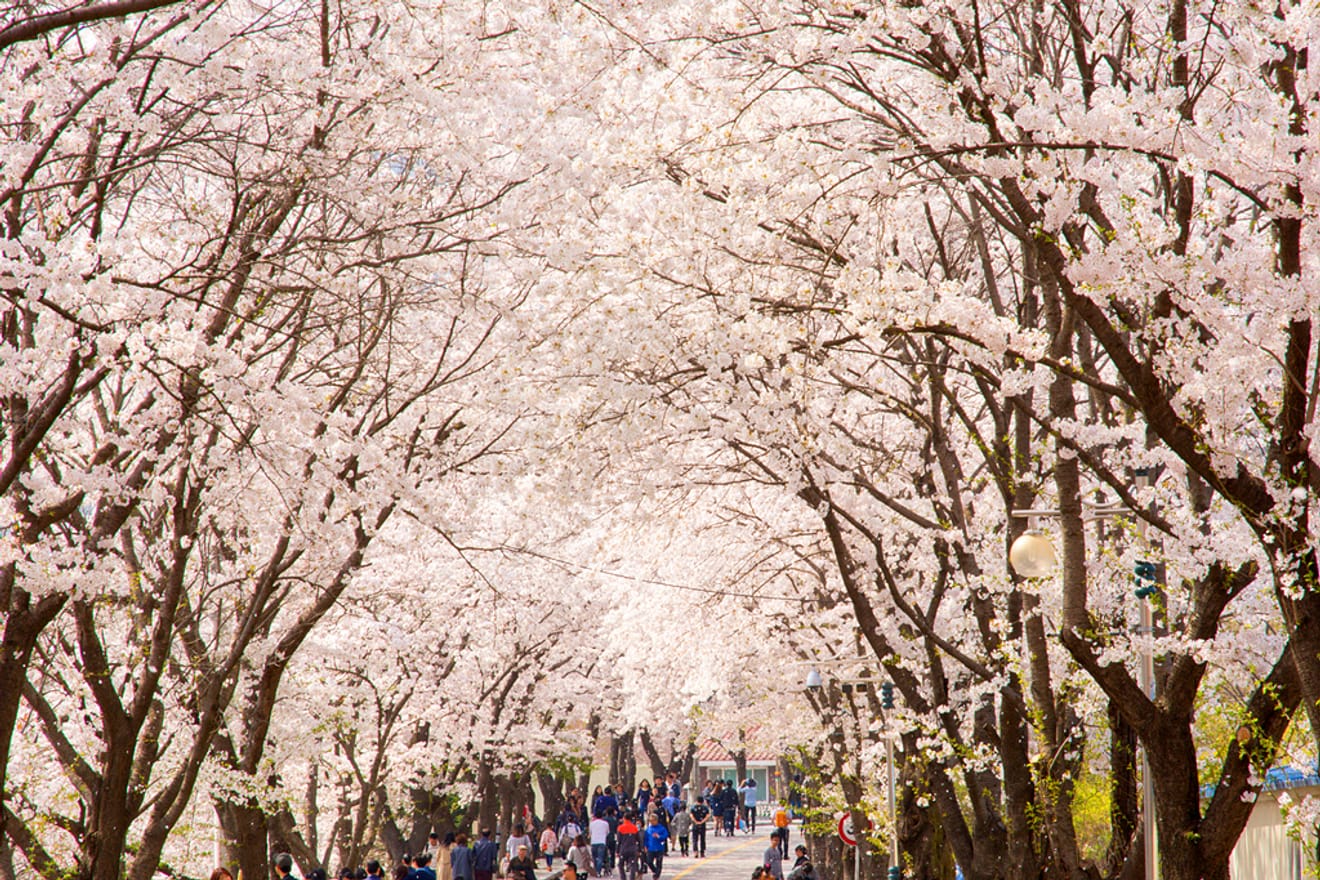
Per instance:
{"type": "Point", "coordinates": [714, 750]}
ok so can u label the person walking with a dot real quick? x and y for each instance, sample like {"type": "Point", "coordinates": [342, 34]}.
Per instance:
{"type": "Point", "coordinates": [748, 791]}
{"type": "Point", "coordinates": [569, 827]}
{"type": "Point", "coordinates": [518, 838]}
{"type": "Point", "coordinates": [700, 814]}
{"type": "Point", "coordinates": [656, 838]}
{"type": "Point", "coordinates": [600, 836]}
{"type": "Point", "coordinates": [643, 796]}
{"type": "Point", "coordinates": [440, 855]}
{"type": "Point", "coordinates": [682, 827]}
{"type": "Point", "coordinates": [629, 846]}
{"type": "Point", "coordinates": [612, 841]}
{"type": "Point", "coordinates": [670, 802]}
{"type": "Point", "coordinates": [781, 828]}
{"type": "Point", "coordinates": [729, 808]}
{"type": "Point", "coordinates": [580, 855]}
{"type": "Point", "coordinates": [607, 801]}
{"type": "Point", "coordinates": [460, 859]}
{"type": "Point", "coordinates": [773, 861]}
{"type": "Point", "coordinates": [485, 855]}
{"type": "Point", "coordinates": [549, 843]}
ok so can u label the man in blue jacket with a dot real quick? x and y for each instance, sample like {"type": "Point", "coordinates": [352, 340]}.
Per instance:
{"type": "Point", "coordinates": [484, 856]}
{"type": "Point", "coordinates": [656, 838]}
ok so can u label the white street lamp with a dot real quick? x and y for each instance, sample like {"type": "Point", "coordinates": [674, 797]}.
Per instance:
{"type": "Point", "coordinates": [1032, 555]}
{"type": "Point", "coordinates": [849, 685]}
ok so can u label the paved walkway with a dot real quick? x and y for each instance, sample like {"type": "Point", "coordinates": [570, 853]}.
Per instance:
{"type": "Point", "coordinates": [727, 858]}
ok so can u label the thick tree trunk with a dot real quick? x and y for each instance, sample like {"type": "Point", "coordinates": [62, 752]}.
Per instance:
{"type": "Point", "coordinates": [24, 622]}
{"type": "Point", "coordinates": [504, 797]}
{"type": "Point", "coordinates": [924, 854]}
{"type": "Point", "coordinates": [246, 838]}
{"type": "Point", "coordinates": [629, 779]}
{"type": "Point", "coordinates": [1123, 805]}
{"type": "Point", "coordinates": [685, 764]}
{"type": "Point", "coordinates": [488, 806]}
{"type": "Point", "coordinates": [552, 796]}
{"type": "Point", "coordinates": [1019, 793]}
{"type": "Point", "coordinates": [102, 855]}
{"type": "Point", "coordinates": [658, 764]}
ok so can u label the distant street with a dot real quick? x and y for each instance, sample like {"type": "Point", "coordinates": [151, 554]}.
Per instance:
{"type": "Point", "coordinates": [728, 858]}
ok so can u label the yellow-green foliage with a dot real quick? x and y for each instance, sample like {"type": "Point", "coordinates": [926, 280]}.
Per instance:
{"type": "Point", "coordinates": [1091, 814]}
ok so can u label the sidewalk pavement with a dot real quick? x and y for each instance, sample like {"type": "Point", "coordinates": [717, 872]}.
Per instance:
{"type": "Point", "coordinates": [727, 858]}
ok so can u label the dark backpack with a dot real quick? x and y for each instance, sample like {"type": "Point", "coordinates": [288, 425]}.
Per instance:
{"type": "Point", "coordinates": [628, 846]}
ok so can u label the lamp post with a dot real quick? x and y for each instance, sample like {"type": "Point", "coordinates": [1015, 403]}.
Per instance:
{"type": "Point", "coordinates": [887, 703]}
{"type": "Point", "coordinates": [1032, 555]}
{"type": "Point", "coordinates": [815, 681]}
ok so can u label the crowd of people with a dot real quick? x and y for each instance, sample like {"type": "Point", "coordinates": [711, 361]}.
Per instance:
{"type": "Point", "coordinates": [613, 831]}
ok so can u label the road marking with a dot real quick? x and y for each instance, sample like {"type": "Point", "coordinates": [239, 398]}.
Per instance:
{"type": "Point", "coordinates": [705, 859]}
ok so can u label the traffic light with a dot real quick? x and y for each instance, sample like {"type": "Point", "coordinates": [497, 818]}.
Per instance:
{"type": "Point", "coordinates": [895, 873]}
{"type": "Point", "coordinates": [1147, 577]}
{"type": "Point", "coordinates": [887, 695]}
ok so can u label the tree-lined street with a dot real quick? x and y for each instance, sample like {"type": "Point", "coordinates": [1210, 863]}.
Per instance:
{"type": "Point", "coordinates": [413, 413]}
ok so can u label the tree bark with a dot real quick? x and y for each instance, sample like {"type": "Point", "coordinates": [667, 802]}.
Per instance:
{"type": "Point", "coordinates": [1123, 805]}
{"type": "Point", "coordinates": [24, 622]}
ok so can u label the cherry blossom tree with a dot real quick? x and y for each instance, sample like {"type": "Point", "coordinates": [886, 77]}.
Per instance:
{"type": "Point", "coordinates": [940, 191]}
{"type": "Point", "coordinates": [270, 296]}
{"type": "Point", "coordinates": [541, 333]}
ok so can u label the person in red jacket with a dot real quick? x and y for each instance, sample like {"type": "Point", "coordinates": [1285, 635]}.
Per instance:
{"type": "Point", "coordinates": [630, 847]}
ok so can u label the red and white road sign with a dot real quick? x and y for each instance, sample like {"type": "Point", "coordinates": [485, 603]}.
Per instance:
{"type": "Point", "coordinates": [846, 832]}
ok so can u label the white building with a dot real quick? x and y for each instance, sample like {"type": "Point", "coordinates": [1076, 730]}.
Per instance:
{"type": "Point", "coordinates": [1266, 850]}
{"type": "Point", "coordinates": [715, 761]}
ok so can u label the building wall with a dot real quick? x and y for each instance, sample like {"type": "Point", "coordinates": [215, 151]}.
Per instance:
{"type": "Point", "coordinates": [1265, 851]}
{"type": "Point", "coordinates": [767, 782]}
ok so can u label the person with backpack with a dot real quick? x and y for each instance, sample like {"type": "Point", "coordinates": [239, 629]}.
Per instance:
{"type": "Point", "coordinates": [629, 848]}
{"type": "Point", "coordinates": [569, 827]}
{"type": "Point", "coordinates": [580, 854]}
{"type": "Point", "coordinates": [730, 808]}
{"type": "Point", "coordinates": [781, 828]}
